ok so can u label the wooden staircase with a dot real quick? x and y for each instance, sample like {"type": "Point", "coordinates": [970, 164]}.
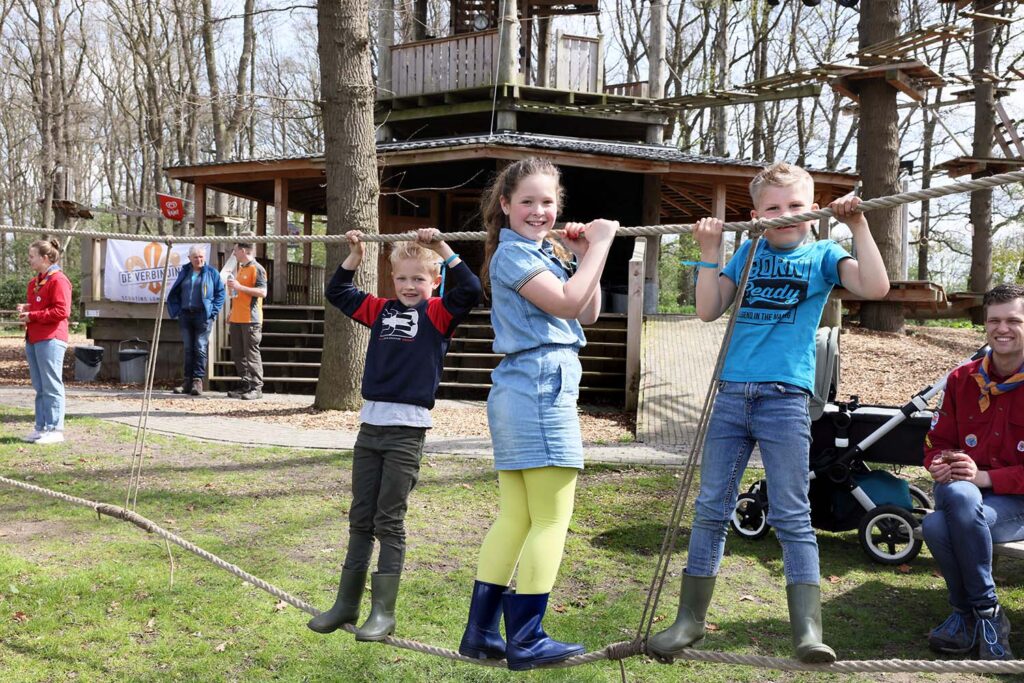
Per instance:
{"type": "Point", "coordinates": [293, 343]}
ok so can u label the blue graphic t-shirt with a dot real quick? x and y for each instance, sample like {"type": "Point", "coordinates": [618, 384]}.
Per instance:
{"type": "Point", "coordinates": [773, 340]}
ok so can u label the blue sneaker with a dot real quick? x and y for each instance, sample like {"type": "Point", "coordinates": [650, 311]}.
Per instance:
{"type": "Point", "coordinates": [954, 636]}
{"type": "Point", "coordinates": [992, 631]}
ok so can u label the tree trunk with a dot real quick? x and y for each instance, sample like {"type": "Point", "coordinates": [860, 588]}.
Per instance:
{"type": "Point", "coordinates": [352, 186]}
{"type": "Point", "coordinates": [984, 128]}
{"type": "Point", "coordinates": [878, 155]}
{"type": "Point", "coordinates": [718, 119]}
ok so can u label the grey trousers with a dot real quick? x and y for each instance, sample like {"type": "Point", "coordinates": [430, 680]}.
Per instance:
{"type": "Point", "coordinates": [245, 352]}
{"type": "Point", "coordinates": [385, 468]}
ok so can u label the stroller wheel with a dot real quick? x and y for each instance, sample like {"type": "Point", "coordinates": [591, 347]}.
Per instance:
{"type": "Point", "coordinates": [750, 517]}
{"type": "Point", "coordinates": [922, 501]}
{"type": "Point", "coordinates": [887, 535]}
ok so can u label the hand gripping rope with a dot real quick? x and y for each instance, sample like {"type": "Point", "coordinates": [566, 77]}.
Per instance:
{"type": "Point", "coordinates": [614, 651]}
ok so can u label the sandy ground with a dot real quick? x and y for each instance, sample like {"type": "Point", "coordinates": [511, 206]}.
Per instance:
{"type": "Point", "coordinates": [884, 369]}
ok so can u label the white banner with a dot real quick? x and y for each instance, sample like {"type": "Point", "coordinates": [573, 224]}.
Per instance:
{"type": "Point", "coordinates": [134, 271]}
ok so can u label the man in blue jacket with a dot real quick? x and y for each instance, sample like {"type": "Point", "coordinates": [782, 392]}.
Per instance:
{"type": "Point", "coordinates": [195, 299]}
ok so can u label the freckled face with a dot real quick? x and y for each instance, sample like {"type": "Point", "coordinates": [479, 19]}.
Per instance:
{"type": "Point", "coordinates": [413, 281]}
{"type": "Point", "coordinates": [533, 206]}
{"type": "Point", "coordinates": [785, 201]}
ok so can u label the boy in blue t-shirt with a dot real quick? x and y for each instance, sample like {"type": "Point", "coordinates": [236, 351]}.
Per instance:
{"type": "Point", "coordinates": [766, 384]}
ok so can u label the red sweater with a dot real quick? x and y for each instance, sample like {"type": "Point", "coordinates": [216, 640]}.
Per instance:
{"type": "Point", "coordinates": [994, 439]}
{"type": "Point", "coordinates": [49, 306]}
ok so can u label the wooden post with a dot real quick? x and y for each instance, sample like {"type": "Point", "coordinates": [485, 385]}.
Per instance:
{"type": "Point", "coordinates": [718, 209]}
{"type": "Point", "coordinates": [199, 209]}
{"type": "Point", "coordinates": [651, 215]}
{"type": "Point", "coordinates": [544, 52]}
{"type": "Point", "coordinates": [635, 324]}
{"type": "Point", "coordinates": [385, 39]}
{"type": "Point", "coordinates": [279, 287]}
{"type": "Point", "coordinates": [261, 228]}
{"type": "Point", "coordinates": [656, 65]}
{"type": "Point", "coordinates": [307, 255]}
{"type": "Point", "coordinates": [97, 269]}
{"type": "Point", "coordinates": [508, 58]}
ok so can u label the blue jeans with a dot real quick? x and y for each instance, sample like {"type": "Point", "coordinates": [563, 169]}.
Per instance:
{"type": "Point", "coordinates": [195, 337]}
{"type": "Point", "coordinates": [775, 416]}
{"type": "Point", "coordinates": [45, 365]}
{"type": "Point", "coordinates": [960, 534]}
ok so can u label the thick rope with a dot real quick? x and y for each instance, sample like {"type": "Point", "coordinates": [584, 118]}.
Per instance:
{"type": "Point", "coordinates": [752, 226]}
{"type": "Point", "coordinates": [613, 651]}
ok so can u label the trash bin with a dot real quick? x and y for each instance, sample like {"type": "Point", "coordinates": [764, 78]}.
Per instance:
{"type": "Point", "coordinates": [87, 362]}
{"type": "Point", "coordinates": [132, 361]}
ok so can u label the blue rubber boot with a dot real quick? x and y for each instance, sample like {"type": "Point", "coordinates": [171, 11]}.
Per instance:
{"type": "Point", "coordinates": [482, 639]}
{"type": "Point", "coordinates": [528, 645]}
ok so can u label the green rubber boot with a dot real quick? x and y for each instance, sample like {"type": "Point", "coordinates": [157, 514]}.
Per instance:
{"type": "Point", "coordinates": [804, 601]}
{"type": "Point", "coordinates": [346, 606]}
{"type": "Point", "coordinates": [381, 622]}
{"type": "Point", "coordinates": [688, 628]}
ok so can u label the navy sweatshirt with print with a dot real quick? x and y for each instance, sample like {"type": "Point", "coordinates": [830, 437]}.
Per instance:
{"type": "Point", "coordinates": [405, 356]}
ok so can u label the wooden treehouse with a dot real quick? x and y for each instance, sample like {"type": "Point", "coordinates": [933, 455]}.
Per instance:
{"type": "Point", "coordinates": [451, 111]}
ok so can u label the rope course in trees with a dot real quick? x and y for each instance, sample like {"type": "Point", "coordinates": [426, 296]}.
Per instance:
{"type": "Point", "coordinates": [614, 651]}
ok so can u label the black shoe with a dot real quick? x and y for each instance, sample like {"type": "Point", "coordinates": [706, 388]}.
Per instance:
{"type": "Point", "coordinates": [237, 393]}
{"type": "Point", "coordinates": [185, 387]}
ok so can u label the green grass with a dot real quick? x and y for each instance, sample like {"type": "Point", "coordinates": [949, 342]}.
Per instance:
{"type": "Point", "coordinates": [92, 599]}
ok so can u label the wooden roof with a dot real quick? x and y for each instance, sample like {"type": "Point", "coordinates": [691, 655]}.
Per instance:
{"type": "Point", "coordinates": [687, 179]}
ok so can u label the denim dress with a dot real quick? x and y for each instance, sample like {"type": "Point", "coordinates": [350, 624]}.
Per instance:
{"type": "Point", "coordinates": [531, 408]}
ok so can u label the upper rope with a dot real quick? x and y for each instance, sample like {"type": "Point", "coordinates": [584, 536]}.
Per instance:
{"type": "Point", "coordinates": [753, 226]}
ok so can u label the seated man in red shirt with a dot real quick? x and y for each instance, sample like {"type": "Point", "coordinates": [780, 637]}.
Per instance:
{"type": "Point", "coordinates": [975, 454]}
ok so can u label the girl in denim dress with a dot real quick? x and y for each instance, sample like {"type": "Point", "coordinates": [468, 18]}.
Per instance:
{"type": "Point", "coordinates": [537, 311]}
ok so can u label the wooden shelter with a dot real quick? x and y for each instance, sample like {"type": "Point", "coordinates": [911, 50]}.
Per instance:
{"type": "Point", "coordinates": [451, 111]}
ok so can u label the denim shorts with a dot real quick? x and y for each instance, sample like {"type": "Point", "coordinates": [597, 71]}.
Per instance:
{"type": "Point", "coordinates": [531, 409]}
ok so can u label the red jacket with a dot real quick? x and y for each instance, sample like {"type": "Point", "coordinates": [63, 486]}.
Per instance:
{"type": "Point", "coordinates": [994, 438]}
{"type": "Point", "coordinates": [49, 306]}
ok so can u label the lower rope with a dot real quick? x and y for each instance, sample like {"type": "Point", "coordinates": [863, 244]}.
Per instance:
{"type": "Point", "coordinates": [614, 651]}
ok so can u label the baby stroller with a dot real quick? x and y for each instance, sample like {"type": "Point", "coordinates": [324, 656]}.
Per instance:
{"type": "Point", "coordinates": [845, 493]}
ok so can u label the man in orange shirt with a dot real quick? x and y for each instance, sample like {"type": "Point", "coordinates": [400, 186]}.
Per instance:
{"type": "Point", "coordinates": [248, 288]}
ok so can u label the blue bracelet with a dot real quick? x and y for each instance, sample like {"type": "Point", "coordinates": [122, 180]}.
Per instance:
{"type": "Point", "coordinates": [699, 264]}
{"type": "Point", "coordinates": [451, 258]}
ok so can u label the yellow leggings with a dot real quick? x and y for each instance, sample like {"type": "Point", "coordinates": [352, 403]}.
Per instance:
{"type": "Point", "coordinates": [533, 518]}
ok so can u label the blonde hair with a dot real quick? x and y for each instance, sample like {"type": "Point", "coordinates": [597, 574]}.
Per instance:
{"type": "Point", "coordinates": [779, 174]}
{"type": "Point", "coordinates": [403, 251]}
{"type": "Point", "coordinates": [503, 185]}
{"type": "Point", "coordinates": [48, 249]}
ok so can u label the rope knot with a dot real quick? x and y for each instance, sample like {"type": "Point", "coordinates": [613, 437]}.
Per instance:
{"type": "Point", "coordinates": [625, 649]}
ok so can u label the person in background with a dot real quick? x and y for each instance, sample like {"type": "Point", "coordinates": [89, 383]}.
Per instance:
{"type": "Point", "coordinates": [195, 299]}
{"type": "Point", "coordinates": [248, 288]}
{"type": "Point", "coordinates": [45, 316]}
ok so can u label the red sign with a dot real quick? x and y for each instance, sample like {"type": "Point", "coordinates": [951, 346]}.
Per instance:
{"type": "Point", "coordinates": [172, 208]}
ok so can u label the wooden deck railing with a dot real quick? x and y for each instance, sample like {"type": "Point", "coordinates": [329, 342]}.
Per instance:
{"type": "Point", "coordinates": [443, 64]}
{"type": "Point", "coordinates": [634, 89]}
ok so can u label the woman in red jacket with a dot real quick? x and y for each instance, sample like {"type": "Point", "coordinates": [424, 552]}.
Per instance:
{"type": "Point", "coordinates": [45, 316]}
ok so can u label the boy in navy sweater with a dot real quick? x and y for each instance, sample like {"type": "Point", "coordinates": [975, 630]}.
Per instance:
{"type": "Point", "coordinates": [409, 337]}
